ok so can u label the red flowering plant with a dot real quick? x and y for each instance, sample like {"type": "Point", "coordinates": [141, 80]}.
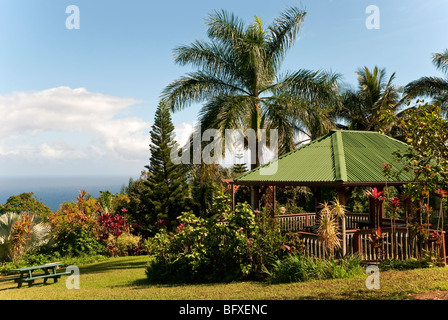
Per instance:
{"type": "Point", "coordinates": [434, 236]}
{"type": "Point", "coordinates": [394, 205]}
{"type": "Point", "coordinates": [110, 227]}
{"type": "Point", "coordinates": [378, 198]}
{"type": "Point", "coordinates": [109, 224]}
{"type": "Point", "coordinates": [376, 239]}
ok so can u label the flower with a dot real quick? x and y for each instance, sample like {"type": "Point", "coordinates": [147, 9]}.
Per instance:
{"type": "Point", "coordinates": [287, 247]}
{"type": "Point", "coordinates": [395, 203]}
{"type": "Point", "coordinates": [375, 194]}
{"type": "Point", "coordinates": [386, 167]}
{"type": "Point", "coordinates": [180, 227]}
{"type": "Point", "coordinates": [441, 193]}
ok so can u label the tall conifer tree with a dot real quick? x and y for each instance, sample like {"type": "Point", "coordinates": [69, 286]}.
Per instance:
{"type": "Point", "coordinates": [167, 182]}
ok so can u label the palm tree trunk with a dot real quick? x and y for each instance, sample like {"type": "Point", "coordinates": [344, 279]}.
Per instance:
{"type": "Point", "coordinates": [342, 200]}
{"type": "Point", "coordinates": [255, 196]}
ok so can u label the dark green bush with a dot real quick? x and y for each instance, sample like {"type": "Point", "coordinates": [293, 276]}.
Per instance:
{"type": "Point", "coordinates": [228, 247]}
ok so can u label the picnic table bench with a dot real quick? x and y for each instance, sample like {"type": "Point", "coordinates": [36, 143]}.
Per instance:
{"type": "Point", "coordinates": [49, 271]}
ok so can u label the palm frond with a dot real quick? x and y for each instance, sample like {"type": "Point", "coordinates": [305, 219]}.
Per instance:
{"type": "Point", "coordinates": [310, 85]}
{"type": "Point", "coordinates": [440, 60]}
{"type": "Point", "coordinates": [283, 33]}
{"type": "Point", "coordinates": [208, 56]}
{"type": "Point", "coordinates": [225, 27]}
{"type": "Point", "coordinates": [426, 87]}
{"type": "Point", "coordinates": [196, 87]}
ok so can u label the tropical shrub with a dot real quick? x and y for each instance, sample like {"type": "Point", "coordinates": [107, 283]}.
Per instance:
{"type": "Point", "coordinates": [110, 227]}
{"type": "Point", "coordinates": [89, 226]}
{"type": "Point", "coordinates": [75, 230]}
{"type": "Point", "coordinates": [25, 202]}
{"type": "Point", "coordinates": [229, 246]}
{"type": "Point", "coordinates": [128, 244]}
{"type": "Point", "coordinates": [112, 203]}
{"type": "Point", "coordinates": [20, 233]}
{"type": "Point", "coordinates": [109, 224]}
{"type": "Point", "coordinates": [426, 130]}
{"type": "Point", "coordinates": [137, 209]}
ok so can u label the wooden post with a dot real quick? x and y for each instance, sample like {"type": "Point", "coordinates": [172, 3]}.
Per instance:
{"type": "Point", "coordinates": [372, 210]}
{"type": "Point", "coordinates": [342, 200]}
{"type": "Point", "coordinates": [233, 196]}
{"type": "Point", "coordinates": [317, 201]}
{"type": "Point", "coordinates": [357, 242]}
{"type": "Point", "coordinates": [443, 248]}
{"type": "Point", "coordinates": [255, 197]}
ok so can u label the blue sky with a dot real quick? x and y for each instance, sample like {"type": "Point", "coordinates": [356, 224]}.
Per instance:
{"type": "Point", "coordinates": [81, 102]}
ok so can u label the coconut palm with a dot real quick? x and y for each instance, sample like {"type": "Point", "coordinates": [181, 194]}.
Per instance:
{"type": "Point", "coordinates": [12, 248]}
{"type": "Point", "coordinates": [238, 78]}
{"type": "Point", "coordinates": [376, 97]}
{"type": "Point", "coordinates": [433, 87]}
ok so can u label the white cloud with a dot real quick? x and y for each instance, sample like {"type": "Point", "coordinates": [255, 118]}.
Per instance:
{"type": "Point", "coordinates": [49, 152]}
{"type": "Point", "coordinates": [183, 133]}
{"type": "Point", "coordinates": [63, 123]}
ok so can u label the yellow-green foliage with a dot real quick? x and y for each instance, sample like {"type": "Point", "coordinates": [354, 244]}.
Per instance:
{"type": "Point", "coordinates": [126, 243]}
{"type": "Point", "coordinates": [327, 230]}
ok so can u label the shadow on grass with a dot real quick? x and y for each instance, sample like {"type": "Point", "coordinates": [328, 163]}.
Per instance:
{"type": "Point", "coordinates": [110, 265]}
{"type": "Point", "coordinates": [144, 282]}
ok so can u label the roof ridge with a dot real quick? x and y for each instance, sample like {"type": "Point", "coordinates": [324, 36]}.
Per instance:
{"type": "Point", "coordinates": [339, 157]}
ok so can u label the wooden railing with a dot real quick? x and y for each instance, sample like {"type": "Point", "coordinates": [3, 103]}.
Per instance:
{"type": "Point", "coordinates": [313, 245]}
{"type": "Point", "coordinates": [397, 243]}
{"type": "Point", "coordinates": [297, 222]}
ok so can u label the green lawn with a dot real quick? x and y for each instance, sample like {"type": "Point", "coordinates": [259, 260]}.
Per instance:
{"type": "Point", "coordinates": [124, 278]}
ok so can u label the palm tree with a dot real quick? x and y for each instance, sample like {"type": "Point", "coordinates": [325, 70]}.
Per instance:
{"type": "Point", "coordinates": [433, 87]}
{"type": "Point", "coordinates": [239, 78]}
{"type": "Point", "coordinates": [374, 101]}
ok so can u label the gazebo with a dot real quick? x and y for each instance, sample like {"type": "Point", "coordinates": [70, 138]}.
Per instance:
{"type": "Point", "coordinates": [343, 160]}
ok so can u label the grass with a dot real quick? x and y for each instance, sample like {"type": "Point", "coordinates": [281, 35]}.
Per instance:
{"type": "Point", "coordinates": [124, 279]}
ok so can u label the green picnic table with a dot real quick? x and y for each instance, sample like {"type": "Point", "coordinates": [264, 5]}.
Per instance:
{"type": "Point", "coordinates": [49, 271]}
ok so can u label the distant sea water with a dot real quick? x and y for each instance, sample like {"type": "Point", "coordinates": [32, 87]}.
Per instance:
{"type": "Point", "coordinates": [53, 191]}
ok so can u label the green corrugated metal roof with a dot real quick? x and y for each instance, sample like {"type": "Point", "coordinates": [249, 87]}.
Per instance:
{"type": "Point", "coordinates": [340, 156]}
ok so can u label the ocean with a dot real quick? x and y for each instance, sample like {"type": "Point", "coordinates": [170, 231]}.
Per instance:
{"type": "Point", "coordinates": [53, 191]}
